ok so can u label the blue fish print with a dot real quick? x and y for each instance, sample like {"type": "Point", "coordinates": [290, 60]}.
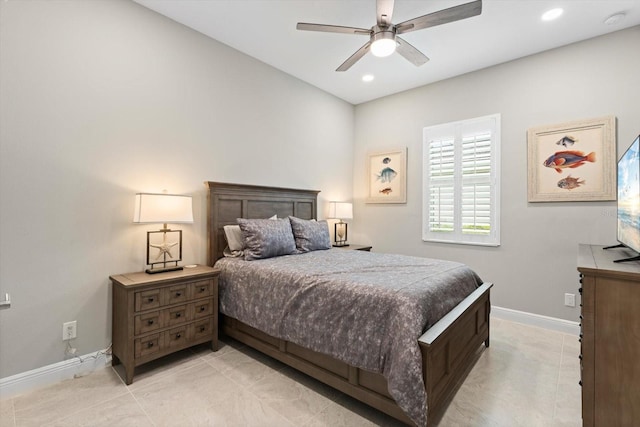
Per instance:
{"type": "Point", "coordinates": [387, 175]}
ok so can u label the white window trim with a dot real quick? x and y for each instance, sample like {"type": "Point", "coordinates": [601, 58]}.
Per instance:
{"type": "Point", "coordinates": [455, 129]}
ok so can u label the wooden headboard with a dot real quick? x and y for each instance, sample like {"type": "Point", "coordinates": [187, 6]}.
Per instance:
{"type": "Point", "coordinates": [226, 202]}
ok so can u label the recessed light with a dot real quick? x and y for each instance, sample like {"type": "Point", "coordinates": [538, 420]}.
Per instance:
{"type": "Point", "coordinates": [368, 78]}
{"type": "Point", "coordinates": [615, 18]}
{"type": "Point", "coordinates": [552, 14]}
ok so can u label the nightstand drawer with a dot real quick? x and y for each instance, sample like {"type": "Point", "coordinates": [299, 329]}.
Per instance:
{"type": "Point", "coordinates": [176, 337]}
{"type": "Point", "coordinates": [176, 315]}
{"type": "Point", "coordinates": [202, 308]}
{"type": "Point", "coordinates": [147, 300]}
{"type": "Point", "coordinates": [201, 289]}
{"type": "Point", "coordinates": [147, 345]}
{"type": "Point", "coordinates": [148, 322]}
{"type": "Point", "coordinates": [175, 294]}
{"type": "Point", "coordinates": [202, 328]}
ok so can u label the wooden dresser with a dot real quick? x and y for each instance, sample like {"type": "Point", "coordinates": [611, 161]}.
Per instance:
{"type": "Point", "coordinates": [610, 337]}
{"type": "Point", "coordinates": [158, 314]}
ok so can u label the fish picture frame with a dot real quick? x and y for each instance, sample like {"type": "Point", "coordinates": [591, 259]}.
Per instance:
{"type": "Point", "coordinates": [387, 176]}
{"type": "Point", "coordinates": [573, 162]}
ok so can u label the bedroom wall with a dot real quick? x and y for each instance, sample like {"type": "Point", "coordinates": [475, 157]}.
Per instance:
{"type": "Point", "coordinates": [102, 99]}
{"type": "Point", "coordinates": [536, 263]}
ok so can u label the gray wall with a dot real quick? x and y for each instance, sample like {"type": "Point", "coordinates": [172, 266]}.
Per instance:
{"type": "Point", "coordinates": [102, 99]}
{"type": "Point", "coordinates": [536, 263]}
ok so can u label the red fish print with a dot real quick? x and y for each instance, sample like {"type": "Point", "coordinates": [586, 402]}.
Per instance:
{"type": "Point", "coordinates": [568, 159]}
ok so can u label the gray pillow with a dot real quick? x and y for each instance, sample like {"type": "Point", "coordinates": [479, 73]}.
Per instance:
{"type": "Point", "coordinates": [266, 238]}
{"type": "Point", "coordinates": [310, 235]}
{"type": "Point", "coordinates": [235, 243]}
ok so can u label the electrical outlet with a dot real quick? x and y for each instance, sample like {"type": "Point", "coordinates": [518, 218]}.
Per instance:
{"type": "Point", "coordinates": [570, 300]}
{"type": "Point", "coordinates": [68, 330]}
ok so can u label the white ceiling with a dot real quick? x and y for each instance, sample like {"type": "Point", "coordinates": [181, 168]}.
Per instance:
{"type": "Point", "coordinates": [506, 30]}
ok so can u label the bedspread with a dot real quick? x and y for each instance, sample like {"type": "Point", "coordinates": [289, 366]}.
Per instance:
{"type": "Point", "coordinates": [365, 309]}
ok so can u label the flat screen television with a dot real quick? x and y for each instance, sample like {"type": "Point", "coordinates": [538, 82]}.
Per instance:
{"type": "Point", "coordinates": [629, 200]}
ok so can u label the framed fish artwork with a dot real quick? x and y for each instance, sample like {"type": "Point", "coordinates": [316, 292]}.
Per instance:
{"type": "Point", "coordinates": [573, 162]}
{"type": "Point", "coordinates": [387, 176]}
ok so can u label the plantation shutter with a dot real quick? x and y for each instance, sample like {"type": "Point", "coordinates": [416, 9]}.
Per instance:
{"type": "Point", "coordinates": [460, 180]}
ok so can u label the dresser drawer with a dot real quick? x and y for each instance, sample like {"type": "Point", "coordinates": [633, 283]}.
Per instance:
{"type": "Point", "coordinates": [202, 308]}
{"type": "Point", "coordinates": [148, 322]}
{"type": "Point", "coordinates": [201, 289]}
{"type": "Point", "coordinates": [176, 315]}
{"type": "Point", "coordinates": [177, 337]}
{"type": "Point", "coordinates": [147, 300]}
{"type": "Point", "coordinates": [147, 345]}
{"type": "Point", "coordinates": [202, 328]}
{"type": "Point", "coordinates": [176, 294]}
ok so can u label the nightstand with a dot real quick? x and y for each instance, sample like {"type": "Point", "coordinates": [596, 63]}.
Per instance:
{"type": "Point", "coordinates": [355, 247]}
{"type": "Point", "coordinates": [155, 315]}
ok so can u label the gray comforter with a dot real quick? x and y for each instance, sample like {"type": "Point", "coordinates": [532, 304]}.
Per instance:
{"type": "Point", "coordinates": [366, 309]}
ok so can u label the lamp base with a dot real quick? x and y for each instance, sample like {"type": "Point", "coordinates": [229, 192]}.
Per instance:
{"type": "Point", "coordinates": [163, 269]}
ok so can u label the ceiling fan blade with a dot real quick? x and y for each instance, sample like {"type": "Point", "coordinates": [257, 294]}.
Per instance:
{"type": "Point", "coordinates": [332, 29]}
{"type": "Point", "coordinates": [444, 16]}
{"type": "Point", "coordinates": [410, 53]}
{"type": "Point", "coordinates": [355, 57]}
{"type": "Point", "coordinates": [384, 11]}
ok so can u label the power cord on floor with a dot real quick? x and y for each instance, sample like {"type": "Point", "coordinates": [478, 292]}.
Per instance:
{"type": "Point", "coordinates": [71, 351]}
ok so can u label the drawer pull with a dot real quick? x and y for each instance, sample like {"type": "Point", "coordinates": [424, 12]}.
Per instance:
{"type": "Point", "coordinates": [203, 289]}
{"type": "Point", "coordinates": [178, 315]}
{"type": "Point", "coordinates": [178, 294]}
{"type": "Point", "coordinates": [149, 344]}
{"type": "Point", "coordinates": [150, 299]}
{"type": "Point", "coordinates": [178, 336]}
{"type": "Point", "coordinates": [203, 308]}
{"type": "Point", "coordinates": [580, 383]}
{"type": "Point", "coordinates": [580, 290]}
{"type": "Point", "coordinates": [150, 321]}
{"type": "Point", "coordinates": [580, 357]}
{"type": "Point", "coordinates": [202, 328]}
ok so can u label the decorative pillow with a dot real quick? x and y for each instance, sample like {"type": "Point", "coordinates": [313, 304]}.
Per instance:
{"type": "Point", "coordinates": [235, 243]}
{"type": "Point", "coordinates": [310, 235]}
{"type": "Point", "coordinates": [265, 238]}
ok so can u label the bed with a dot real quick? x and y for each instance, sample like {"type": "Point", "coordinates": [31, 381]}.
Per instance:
{"type": "Point", "coordinates": [446, 351]}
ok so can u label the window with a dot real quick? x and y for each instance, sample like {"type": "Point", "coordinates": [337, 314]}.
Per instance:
{"type": "Point", "coordinates": [461, 182]}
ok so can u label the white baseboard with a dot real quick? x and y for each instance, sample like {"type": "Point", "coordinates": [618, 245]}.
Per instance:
{"type": "Point", "coordinates": [51, 374]}
{"type": "Point", "coordinates": [546, 322]}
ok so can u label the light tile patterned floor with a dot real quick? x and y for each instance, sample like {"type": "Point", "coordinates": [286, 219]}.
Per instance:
{"type": "Point", "coordinates": [528, 377]}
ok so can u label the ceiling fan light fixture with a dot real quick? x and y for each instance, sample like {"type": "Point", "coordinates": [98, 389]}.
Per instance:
{"type": "Point", "coordinates": [383, 44]}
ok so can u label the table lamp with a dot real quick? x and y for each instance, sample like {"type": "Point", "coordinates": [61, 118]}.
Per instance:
{"type": "Point", "coordinates": [340, 211]}
{"type": "Point", "coordinates": [152, 208]}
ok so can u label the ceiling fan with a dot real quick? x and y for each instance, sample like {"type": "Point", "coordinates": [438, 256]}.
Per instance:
{"type": "Point", "coordinates": [383, 37]}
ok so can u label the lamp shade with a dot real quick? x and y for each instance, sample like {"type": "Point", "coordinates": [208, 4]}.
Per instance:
{"type": "Point", "coordinates": [162, 208]}
{"type": "Point", "coordinates": [340, 210]}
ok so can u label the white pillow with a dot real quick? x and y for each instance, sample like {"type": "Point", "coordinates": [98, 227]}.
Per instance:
{"type": "Point", "coordinates": [234, 237]}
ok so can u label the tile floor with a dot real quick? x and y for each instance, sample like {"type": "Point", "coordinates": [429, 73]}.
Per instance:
{"type": "Point", "coordinates": [528, 377]}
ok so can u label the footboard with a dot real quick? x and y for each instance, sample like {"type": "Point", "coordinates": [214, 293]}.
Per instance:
{"type": "Point", "coordinates": [449, 350]}
{"type": "Point", "coordinates": [451, 347]}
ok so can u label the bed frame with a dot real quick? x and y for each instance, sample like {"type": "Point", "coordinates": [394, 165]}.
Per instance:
{"type": "Point", "coordinates": [449, 348]}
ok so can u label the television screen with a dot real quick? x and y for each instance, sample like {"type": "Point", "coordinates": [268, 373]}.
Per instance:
{"type": "Point", "coordinates": [629, 197]}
